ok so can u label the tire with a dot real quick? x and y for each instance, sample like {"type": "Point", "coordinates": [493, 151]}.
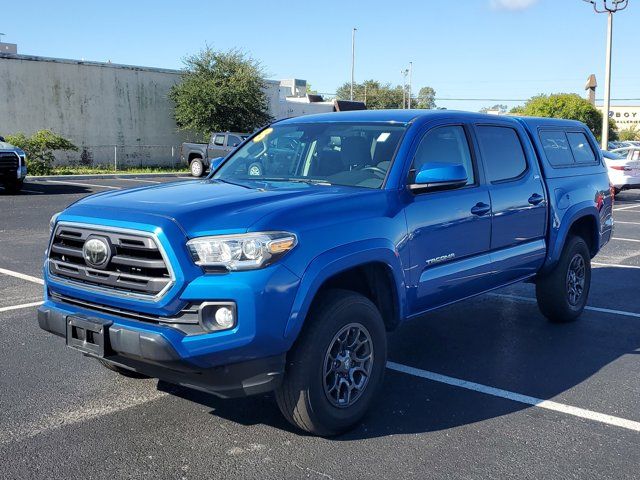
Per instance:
{"type": "Point", "coordinates": [556, 293]}
{"type": "Point", "coordinates": [303, 398]}
{"type": "Point", "coordinates": [255, 169]}
{"type": "Point", "coordinates": [13, 186]}
{"type": "Point", "coordinates": [197, 167]}
{"type": "Point", "coordinates": [125, 372]}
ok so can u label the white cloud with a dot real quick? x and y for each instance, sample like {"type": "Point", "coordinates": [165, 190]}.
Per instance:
{"type": "Point", "coordinates": [512, 4]}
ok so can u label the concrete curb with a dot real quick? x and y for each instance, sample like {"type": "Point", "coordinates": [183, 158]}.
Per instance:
{"type": "Point", "coordinates": [105, 175]}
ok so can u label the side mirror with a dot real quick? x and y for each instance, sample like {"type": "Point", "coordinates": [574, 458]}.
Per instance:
{"type": "Point", "coordinates": [2, 139]}
{"type": "Point", "coordinates": [439, 175]}
{"type": "Point", "coordinates": [214, 163]}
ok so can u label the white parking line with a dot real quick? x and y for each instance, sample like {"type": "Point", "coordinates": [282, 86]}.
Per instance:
{"type": "Point", "coordinates": [31, 191]}
{"type": "Point", "coordinates": [616, 265]}
{"type": "Point", "coordinates": [18, 307]}
{"type": "Point", "coordinates": [593, 309]}
{"type": "Point", "coordinates": [64, 182]}
{"type": "Point", "coordinates": [22, 276]}
{"type": "Point", "coordinates": [628, 223]}
{"type": "Point", "coordinates": [627, 207]}
{"type": "Point", "coordinates": [137, 180]}
{"type": "Point", "coordinates": [517, 397]}
{"type": "Point", "coordinates": [626, 239]}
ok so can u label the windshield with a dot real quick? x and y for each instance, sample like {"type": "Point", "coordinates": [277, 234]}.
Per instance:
{"type": "Point", "coordinates": [353, 154]}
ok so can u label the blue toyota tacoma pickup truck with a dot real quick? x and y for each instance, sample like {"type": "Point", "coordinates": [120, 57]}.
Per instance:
{"type": "Point", "coordinates": [290, 279]}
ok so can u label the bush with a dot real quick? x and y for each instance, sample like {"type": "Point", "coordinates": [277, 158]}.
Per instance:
{"type": "Point", "coordinates": [631, 133]}
{"type": "Point", "coordinates": [39, 148]}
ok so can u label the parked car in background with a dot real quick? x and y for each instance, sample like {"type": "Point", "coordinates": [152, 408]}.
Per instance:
{"type": "Point", "coordinates": [623, 165]}
{"type": "Point", "coordinates": [13, 167]}
{"type": "Point", "coordinates": [199, 155]}
{"type": "Point", "coordinates": [290, 279]}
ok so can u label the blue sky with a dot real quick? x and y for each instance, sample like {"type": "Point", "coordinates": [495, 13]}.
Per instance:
{"type": "Point", "coordinates": [502, 49]}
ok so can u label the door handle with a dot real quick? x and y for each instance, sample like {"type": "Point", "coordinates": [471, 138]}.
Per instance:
{"type": "Point", "coordinates": [480, 209]}
{"type": "Point", "coordinates": [535, 199]}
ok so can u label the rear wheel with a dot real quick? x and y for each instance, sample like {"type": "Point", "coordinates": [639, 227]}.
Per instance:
{"type": "Point", "coordinates": [197, 167]}
{"type": "Point", "coordinates": [562, 294]}
{"type": "Point", "coordinates": [125, 372]}
{"type": "Point", "coordinates": [13, 186]}
{"type": "Point", "coordinates": [336, 366]}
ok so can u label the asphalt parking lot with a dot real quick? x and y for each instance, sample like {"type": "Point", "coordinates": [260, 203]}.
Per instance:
{"type": "Point", "coordinates": [483, 389]}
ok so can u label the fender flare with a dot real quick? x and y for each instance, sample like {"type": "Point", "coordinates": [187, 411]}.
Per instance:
{"type": "Point", "coordinates": [558, 236]}
{"type": "Point", "coordinates": [338, 260]}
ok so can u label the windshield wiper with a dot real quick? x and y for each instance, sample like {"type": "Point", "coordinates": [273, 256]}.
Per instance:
{"type": "Point", "coordinates": [315, 181]}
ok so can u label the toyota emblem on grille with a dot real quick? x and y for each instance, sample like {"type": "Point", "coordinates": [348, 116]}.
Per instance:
{"type": "Point", "coordinates": [96, 252]}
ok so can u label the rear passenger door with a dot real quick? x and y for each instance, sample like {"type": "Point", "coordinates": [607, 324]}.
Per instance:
{"type": "Point", "coordinates": [518, 199]}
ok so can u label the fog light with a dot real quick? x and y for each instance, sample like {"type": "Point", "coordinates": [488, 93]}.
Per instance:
{"type": "Point", "coordinates": [224, 317]}
{"type": "Point", "coordinates": [215, 316]}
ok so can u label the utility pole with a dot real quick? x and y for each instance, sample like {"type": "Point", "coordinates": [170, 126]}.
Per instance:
{"type": "Point", "coordinates": [609, 7]}
{"type": "Point", "coordinates": [410, 73]}
{"type": "Point", "coordinates": [404, 74]}
{"type": "Point", "coordinates": [353, 58]}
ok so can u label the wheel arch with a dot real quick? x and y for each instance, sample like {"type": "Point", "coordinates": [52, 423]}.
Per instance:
{"type": "Point", "coordinates": [373, 270]}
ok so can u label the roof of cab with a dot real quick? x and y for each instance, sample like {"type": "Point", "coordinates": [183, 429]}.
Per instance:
{"type": "Point", "coordinates": [398, 115]}
{"type": "Point", "coordinates": [406, 116]}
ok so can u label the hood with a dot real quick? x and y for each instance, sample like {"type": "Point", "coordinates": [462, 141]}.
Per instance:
{"type": "Point", "coordinates": [204, 207]}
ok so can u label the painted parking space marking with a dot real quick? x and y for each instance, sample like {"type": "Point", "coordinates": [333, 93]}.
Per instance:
{"type": "Point", "coordinates": [79, 414]}
{"type": "Point", "coordinates": [517, 397]}
{"type": "Point", "coordinates": [22, 276]}
{"type": "Point", "coordinates": [626, 207]}
{"type": "Point", "coordinates": [626, 239]}
{"type": "Point", "coordinates": [137, 180]}
{"type": "Point", "coordinates": [615, 265]}
{"type": "Point", "coordinates": [65, 182]}
{"type": "Point", "coordinates": [592, 309]}
{"type": "Point", "coordinates": [31, 191]}
{"type": "Point", "coordinates": [627, 223]}
{"type": "Point", "coordinates": [18, 307]}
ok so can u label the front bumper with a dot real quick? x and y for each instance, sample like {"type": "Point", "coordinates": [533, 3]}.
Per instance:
{"type": "Point", "coordinates": [153, 354]}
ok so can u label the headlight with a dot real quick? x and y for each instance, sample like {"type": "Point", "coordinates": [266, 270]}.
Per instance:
{"type": "Point", "coordinates": [247, 251]}
{"type": "Point", "coordinates": [52, 222]}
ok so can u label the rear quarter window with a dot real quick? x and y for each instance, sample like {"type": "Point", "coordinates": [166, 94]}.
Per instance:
{"type": "Point", "coordinates": [581, 148]}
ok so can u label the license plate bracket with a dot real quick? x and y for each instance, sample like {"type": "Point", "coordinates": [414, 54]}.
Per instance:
{"type": "Point", "coordinates": [88, 335]}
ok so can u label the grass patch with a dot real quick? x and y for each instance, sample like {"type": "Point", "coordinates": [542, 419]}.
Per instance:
{"type": "Point", "coordinates": [81, 170]}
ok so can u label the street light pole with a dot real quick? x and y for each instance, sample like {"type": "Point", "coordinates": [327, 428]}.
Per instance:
{"type": "Point", "coordinates": [353, 59]}
{"type": "Point", "coordinates": [410, 73]}
{"type": "Point", "coordinates": [609, 7]}
{"type": "Point", "coordinates": [404, 87]}
{"type": "Point", "coordinates": [607, 84]}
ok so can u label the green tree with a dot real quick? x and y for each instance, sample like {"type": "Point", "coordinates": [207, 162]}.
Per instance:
{"type": "Point", "coordinates": [426, 98]}
{"type": "Point", "coordinates": [384, 96]}
{"type": "Point", "coordinates": [39, 148]}
{"type": "Point", "coordinates": [220, 91]}
{"type": "Point", "coordinates": [632, 133]}
{"type": "Point", "coordinates": [566, 105]}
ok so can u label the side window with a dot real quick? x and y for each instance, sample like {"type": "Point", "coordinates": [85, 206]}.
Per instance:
{"type": "Point", "coordinates": [233, 140]}
{"type": "Point", "coordinates": [581, 148]}
{"type": "Point", "coordinates": [556, 147]}
{"type": "Point", "coordinates": [219, 140]}
{"type": "Point", "coordinates": [502, 152]}
{"type": "Point", "coordinates": [445, 145]}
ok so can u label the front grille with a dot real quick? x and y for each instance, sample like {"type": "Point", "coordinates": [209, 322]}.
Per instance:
{"type": "Point", "coordinates": [136, 266]}
{"type": "Point", "coordinates": [9, 161]}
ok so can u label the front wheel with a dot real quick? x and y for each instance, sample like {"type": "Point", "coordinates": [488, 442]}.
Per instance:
{"type": "Point", "coordinates": [562, 293]}
{"type": "Point", "coordinates": [337, 365]}
{"type": "Point", "coordinates": [197, 167]}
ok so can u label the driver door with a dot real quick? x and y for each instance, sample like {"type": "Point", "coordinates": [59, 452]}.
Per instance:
{"type": "Point", "coordinates": [449, 230]}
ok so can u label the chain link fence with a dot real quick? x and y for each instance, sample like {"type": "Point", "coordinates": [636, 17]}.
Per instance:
{"type": "Point", "coordinates": [121, 157]}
